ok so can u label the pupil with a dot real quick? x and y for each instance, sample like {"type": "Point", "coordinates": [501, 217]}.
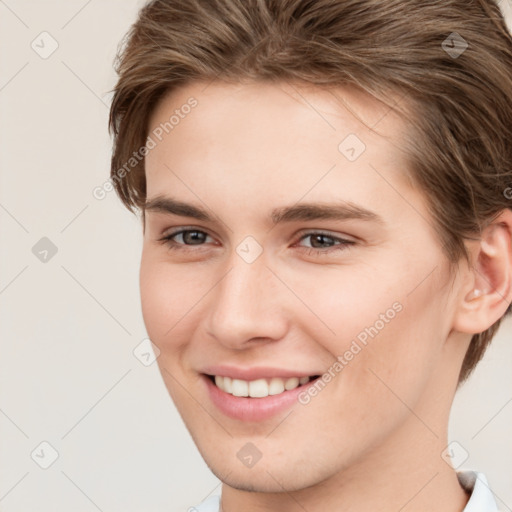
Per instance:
{"type": "Point", "coordinates": [323, 240]}
{"type": "Point", "coordinates": [193, 237]}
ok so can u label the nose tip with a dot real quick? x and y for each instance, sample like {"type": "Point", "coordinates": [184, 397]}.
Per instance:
{"type": "Point", "coordinates": [245, 306]}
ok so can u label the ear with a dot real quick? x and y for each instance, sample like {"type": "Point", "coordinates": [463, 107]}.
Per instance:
{"type": "Point", "coordinates": [487, 290]}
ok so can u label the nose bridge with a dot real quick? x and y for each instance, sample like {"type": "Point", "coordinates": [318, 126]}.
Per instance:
{"type": "Point", "coordinates": [245, 304]}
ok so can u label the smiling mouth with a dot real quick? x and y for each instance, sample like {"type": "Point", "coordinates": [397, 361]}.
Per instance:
{"type": "Point", "coordinates": [259, 388]}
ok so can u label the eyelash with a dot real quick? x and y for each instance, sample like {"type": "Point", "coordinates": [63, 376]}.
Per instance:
{"type": "Point", "coordinates": [342, 244]}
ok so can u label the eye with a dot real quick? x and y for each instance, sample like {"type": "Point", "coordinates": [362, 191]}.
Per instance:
{"type": "Point", "coordinates": [185, 237]}
{"type": "Point", "coordinates": [321, 243]}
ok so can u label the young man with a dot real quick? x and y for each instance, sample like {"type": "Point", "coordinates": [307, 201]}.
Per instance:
{"type": "Point", "coordinates": [325, 197]}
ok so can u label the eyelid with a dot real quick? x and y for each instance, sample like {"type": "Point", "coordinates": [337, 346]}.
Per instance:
{"type": "Point", "coordinates": [336, 236]}
{"type": "Point", "coordinates": [179, 229]}
{"type": "Point", "coordinates": [341, 244]}
{"type": "Point", "coordinates": [300, 234]}
{"type": "Point", "coordinates": [165, 238]}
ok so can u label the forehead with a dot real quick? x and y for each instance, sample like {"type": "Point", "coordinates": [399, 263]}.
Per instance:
{"type": "Point", "coordinates": [327, 107]}
{"type": "Point", "coordinates": [277, 140]}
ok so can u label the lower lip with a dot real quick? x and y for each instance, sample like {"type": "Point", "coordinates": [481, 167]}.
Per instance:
{"type": "Point", "coordinates": [253, 409]}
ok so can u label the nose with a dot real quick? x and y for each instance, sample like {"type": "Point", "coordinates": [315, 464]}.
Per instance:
{"type": "Point", "coordinates": [246, 306]}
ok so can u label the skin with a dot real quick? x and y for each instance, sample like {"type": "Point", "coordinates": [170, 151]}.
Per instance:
{"type": "Point", "coordinates": [372, 439]}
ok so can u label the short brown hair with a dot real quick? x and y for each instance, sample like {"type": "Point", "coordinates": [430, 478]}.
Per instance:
{"type": "Point", "coordinates": [450, 59]}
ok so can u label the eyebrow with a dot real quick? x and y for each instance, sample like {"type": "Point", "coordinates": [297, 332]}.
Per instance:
{"type": "Point", "coordinates": [341, 210]}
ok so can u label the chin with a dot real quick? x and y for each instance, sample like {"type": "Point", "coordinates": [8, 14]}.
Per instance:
{"type": "Point", "coordinates": [270, 474]}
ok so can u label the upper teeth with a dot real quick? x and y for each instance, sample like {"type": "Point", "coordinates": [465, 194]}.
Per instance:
{"type": "Point", "coordinates": [258, 388]}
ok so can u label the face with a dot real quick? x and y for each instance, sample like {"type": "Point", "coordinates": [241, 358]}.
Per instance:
{"type": "Point", "coordinates": [282, 241]}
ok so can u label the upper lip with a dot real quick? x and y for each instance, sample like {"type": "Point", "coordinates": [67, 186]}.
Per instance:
{"type": "Point", "coordinates": [254, 372]}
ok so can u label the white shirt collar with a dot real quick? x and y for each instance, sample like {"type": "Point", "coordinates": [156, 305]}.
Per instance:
{"type": "Point", "coordinates": [482, 498]}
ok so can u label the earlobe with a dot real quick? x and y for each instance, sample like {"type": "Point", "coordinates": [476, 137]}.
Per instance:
{"type": "Point", "coordinates": [489, 278]}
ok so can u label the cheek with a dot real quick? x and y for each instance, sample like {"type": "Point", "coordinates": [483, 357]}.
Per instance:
{"type": "Point", "coordinates": [381, 365]}
{"type": "Point", "coordinates": [167, 296]}
{"type": "Point", "coordinates": [384, 335]}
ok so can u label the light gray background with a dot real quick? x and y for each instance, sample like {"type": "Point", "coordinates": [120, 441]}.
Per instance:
{"type": "Point", "coordinates": [69, 326]}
